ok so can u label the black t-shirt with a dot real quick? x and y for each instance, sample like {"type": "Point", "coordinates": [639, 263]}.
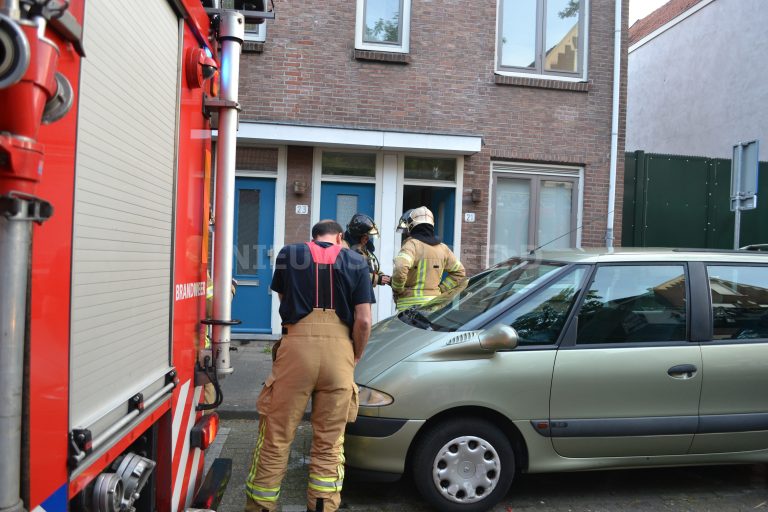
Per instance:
{"type": "Point", "coordinates": [294, 278]}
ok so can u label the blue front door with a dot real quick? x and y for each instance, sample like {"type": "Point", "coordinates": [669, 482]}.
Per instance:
{"type": "Point", "coordinates": [252, 266]}
{"type": "Point", "coordinates": [340, 201]}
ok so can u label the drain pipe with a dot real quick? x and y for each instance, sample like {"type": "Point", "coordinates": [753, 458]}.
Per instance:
{"type": "Point", "coordinates": [614, 125]}
{"type": "Point", "coordinates": [231, 33]}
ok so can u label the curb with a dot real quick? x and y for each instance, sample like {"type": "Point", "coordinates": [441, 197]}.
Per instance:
{"type": "Point", "coordinates": [234, 414]}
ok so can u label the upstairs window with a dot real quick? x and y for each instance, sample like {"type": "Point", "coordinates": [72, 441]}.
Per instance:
{"type": "Point", "coordinates": [383, 25]}
{"type": "Point", "coordinates": [542, 37]}
{"type": "Point", "coordinates": [253, 32]}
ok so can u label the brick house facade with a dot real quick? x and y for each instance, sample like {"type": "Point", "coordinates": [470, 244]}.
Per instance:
{"type": "Point", "coordinates": [306, 89]}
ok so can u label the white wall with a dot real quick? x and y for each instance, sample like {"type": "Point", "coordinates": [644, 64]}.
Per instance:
{"type": "Point", "coordinates": [702, 86]}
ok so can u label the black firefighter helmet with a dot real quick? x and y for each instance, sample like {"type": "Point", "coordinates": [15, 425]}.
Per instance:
{"type": "Point", "coordinates": [361, 224]}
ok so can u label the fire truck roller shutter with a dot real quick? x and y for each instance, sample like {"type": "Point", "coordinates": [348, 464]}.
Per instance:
{"type": "Point", "coordinates": [124, 208]}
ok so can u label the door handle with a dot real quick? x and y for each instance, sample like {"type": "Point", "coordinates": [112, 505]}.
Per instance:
{"type": "Point", "coordinates": [682, 371]}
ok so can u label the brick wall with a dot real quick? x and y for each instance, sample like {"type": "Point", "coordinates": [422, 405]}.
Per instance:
{"type": "Point", "coordinates": [308, 74]}
{"type": "Point", "coordinates": [297, 227]}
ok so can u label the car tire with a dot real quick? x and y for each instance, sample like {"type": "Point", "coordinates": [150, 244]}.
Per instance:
{"type": "Point", "coordinates": [463, 465]}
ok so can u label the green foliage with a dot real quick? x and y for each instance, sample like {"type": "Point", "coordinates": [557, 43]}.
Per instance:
{"type": "Point", "coordinates": [571, 10]}
{"type": "Point", "coordinates": [384, 30]}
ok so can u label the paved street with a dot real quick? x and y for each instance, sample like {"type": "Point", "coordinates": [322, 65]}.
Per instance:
{"type": "Point", "coordinates": [703, 489]}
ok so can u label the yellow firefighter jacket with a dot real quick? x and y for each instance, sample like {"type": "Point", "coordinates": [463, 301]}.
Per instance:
{"type": "Point", "coordinates": [418, 274]}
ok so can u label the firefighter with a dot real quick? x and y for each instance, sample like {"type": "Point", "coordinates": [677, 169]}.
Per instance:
{"type": "Point", "coordinates": [325, 304]}
{"type": "Point", "coordinates": [357, 237]}
{"type": "Point", "coordinates": [419, 266]}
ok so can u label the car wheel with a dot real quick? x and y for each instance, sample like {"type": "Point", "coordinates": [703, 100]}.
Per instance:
{"type": "Point", "coordinates": [463, 465]}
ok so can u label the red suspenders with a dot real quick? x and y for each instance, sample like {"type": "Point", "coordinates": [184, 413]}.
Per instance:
{"type": "Point", "coordinates": [323, 256]}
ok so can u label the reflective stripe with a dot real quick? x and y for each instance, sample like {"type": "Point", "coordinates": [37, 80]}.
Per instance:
{"type": "Point", "coordinates": [456, 267]}
{"type": "Point", "coordinates": [418, 290]}
{"type": "Point", "coordinates": [262, 493]}
{"type": "Point", "coordinates": [405, 256]}
{"type": "Point", "coordinates": [406, 302]}
{"type": "Point", "coordinates": [325, 484]}
{"type": "Point", "coordinates": [257, 450]}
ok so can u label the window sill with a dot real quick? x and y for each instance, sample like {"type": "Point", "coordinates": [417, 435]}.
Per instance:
{"type": "Point", "coordinates": [377, 56]}
{"type": "Point", "coordinates": [542, 83]}
{"type": "Point", "coordinates": [253, 47]}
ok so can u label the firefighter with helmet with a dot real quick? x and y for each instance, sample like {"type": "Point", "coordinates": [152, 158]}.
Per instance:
{"type": "Point", "coordinates": [358, 237]}
{"type": "Point", "coordinates": [419, 266]}
{"type": "Point", "coordinates": [325, 304]}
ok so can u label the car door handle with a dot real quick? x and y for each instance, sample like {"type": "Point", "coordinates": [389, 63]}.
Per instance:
{"type": "Point", "coordinates": [682, 371]}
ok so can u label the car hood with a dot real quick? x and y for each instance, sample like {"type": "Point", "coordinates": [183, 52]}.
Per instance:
{"type": "Point", "coordinates": [391, 341]}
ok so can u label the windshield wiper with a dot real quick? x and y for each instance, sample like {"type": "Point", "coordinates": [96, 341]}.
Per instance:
{"type": "Point", "coordinates": [417, 318]}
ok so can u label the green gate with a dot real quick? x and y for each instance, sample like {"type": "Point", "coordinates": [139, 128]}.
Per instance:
{"type": "Point", "coordinates": [683, 201]}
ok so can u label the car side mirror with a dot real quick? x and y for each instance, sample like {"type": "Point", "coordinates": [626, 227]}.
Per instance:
{"type": "Point", "coordinates": [498, 337]}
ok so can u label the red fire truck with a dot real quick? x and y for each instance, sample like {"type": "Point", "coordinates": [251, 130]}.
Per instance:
{"type": "Point", "coordinates": [105, 208]}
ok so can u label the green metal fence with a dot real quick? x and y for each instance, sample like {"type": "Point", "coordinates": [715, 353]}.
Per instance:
{"type": "Point", "coordinates": [683, 201]}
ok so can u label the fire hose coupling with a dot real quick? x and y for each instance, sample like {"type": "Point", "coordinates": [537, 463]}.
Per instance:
{"type": "Point", "coordinates": [118, 489]}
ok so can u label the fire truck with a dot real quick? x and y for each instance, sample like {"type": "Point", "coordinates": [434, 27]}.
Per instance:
{"type": "Point", "coordinates": [110, 211]}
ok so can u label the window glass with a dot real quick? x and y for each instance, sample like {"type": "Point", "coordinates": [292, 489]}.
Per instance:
{"type": "Point", "coordinates": [541, 36]}
{"type": "Point", "coordinates": [555, 215]}
{"type": "Point", "coordinates": [518, 33]}
{"type": "Point", "coordinates": [247, 254]}
{"type": "Point", "coordinates": [346, 208]}
{"type": "Point", "coordinates": [443, 169]}
{"type": "Point", "coordinates": [634, 303]}
{"type": "Point", "coordinates": [739, 302]}
{"type": "Point", "coordinates": [511, 217]}
{"type": "Point", "coordinates": [486, 290]}
{"type": "Point", "coordinates": [349, 164]}
{"type": "Point", "coordinates": [562, 38]}
{"type": "Point", "coordinates": [382, 21]}
{"type": "Point", "coordinates": [539, 319]}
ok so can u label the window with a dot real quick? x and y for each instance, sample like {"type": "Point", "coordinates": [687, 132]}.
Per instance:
{"type": "Point", "coordinates": [531, 208]}
{"type": "Point", "coordinates": [539, 319]}
{"type": "Point", "coordinates": [543, 37]}
{"type": "Point", "coordinates": [441, 169]}
{"type": "Point", "coordinates": [253, 32]}
{"type": "Point", "coordinates": [739, 302]}
{"type": "Point", "coordinates": [634, 303]}
{"type": "Point", "coordinates": [383, 25]}
{"type": "Point", "coordinates": [361, 165]}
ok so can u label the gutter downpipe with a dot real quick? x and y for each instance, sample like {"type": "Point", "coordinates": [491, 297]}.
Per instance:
{"type": "Point", "coordinates": [614, 125]}
{"type": "Point", "coordinates": [231, 35]}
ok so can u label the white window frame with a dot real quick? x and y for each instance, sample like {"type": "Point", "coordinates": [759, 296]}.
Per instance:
{"type": "Point", "coordinates": [512, 170]}
{"type": "Point", "coordinates": [580, 76]}
{"type": "Point", "coordinates": [259, 36]}
{"type": "Point", "coordinates": [403, 47]}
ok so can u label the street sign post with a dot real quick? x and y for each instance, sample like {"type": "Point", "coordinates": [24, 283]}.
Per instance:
{"type": "Point", "coordinates": [744, 168]}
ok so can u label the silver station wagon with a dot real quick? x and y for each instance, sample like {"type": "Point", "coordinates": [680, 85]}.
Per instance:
{"type": "Point", "coordinates": [564, 362]}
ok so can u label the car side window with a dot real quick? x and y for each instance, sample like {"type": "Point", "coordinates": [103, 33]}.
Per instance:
{"type": "Point", "coordinates": [739, 301]}
{"type": "Point", "coordinates": [539, 319]}
{"type": "Point", "coordinates": [633, 304]}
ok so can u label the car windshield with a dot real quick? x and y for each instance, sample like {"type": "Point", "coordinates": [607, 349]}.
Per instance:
{"type": "Point", "coordinates": [485, 290]}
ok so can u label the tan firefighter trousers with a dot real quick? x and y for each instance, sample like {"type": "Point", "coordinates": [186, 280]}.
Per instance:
{"type": "Point", "coordinates": [315, 359]}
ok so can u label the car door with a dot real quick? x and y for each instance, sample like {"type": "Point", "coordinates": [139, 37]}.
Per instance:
{"type": "Point", "coordinates": [626, 380]}
{"type": "Point", "coordinates": [734, 395]}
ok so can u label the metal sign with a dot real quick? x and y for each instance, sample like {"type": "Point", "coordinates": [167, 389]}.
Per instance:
{"type": "Point", "coordinates": [744, 167]}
